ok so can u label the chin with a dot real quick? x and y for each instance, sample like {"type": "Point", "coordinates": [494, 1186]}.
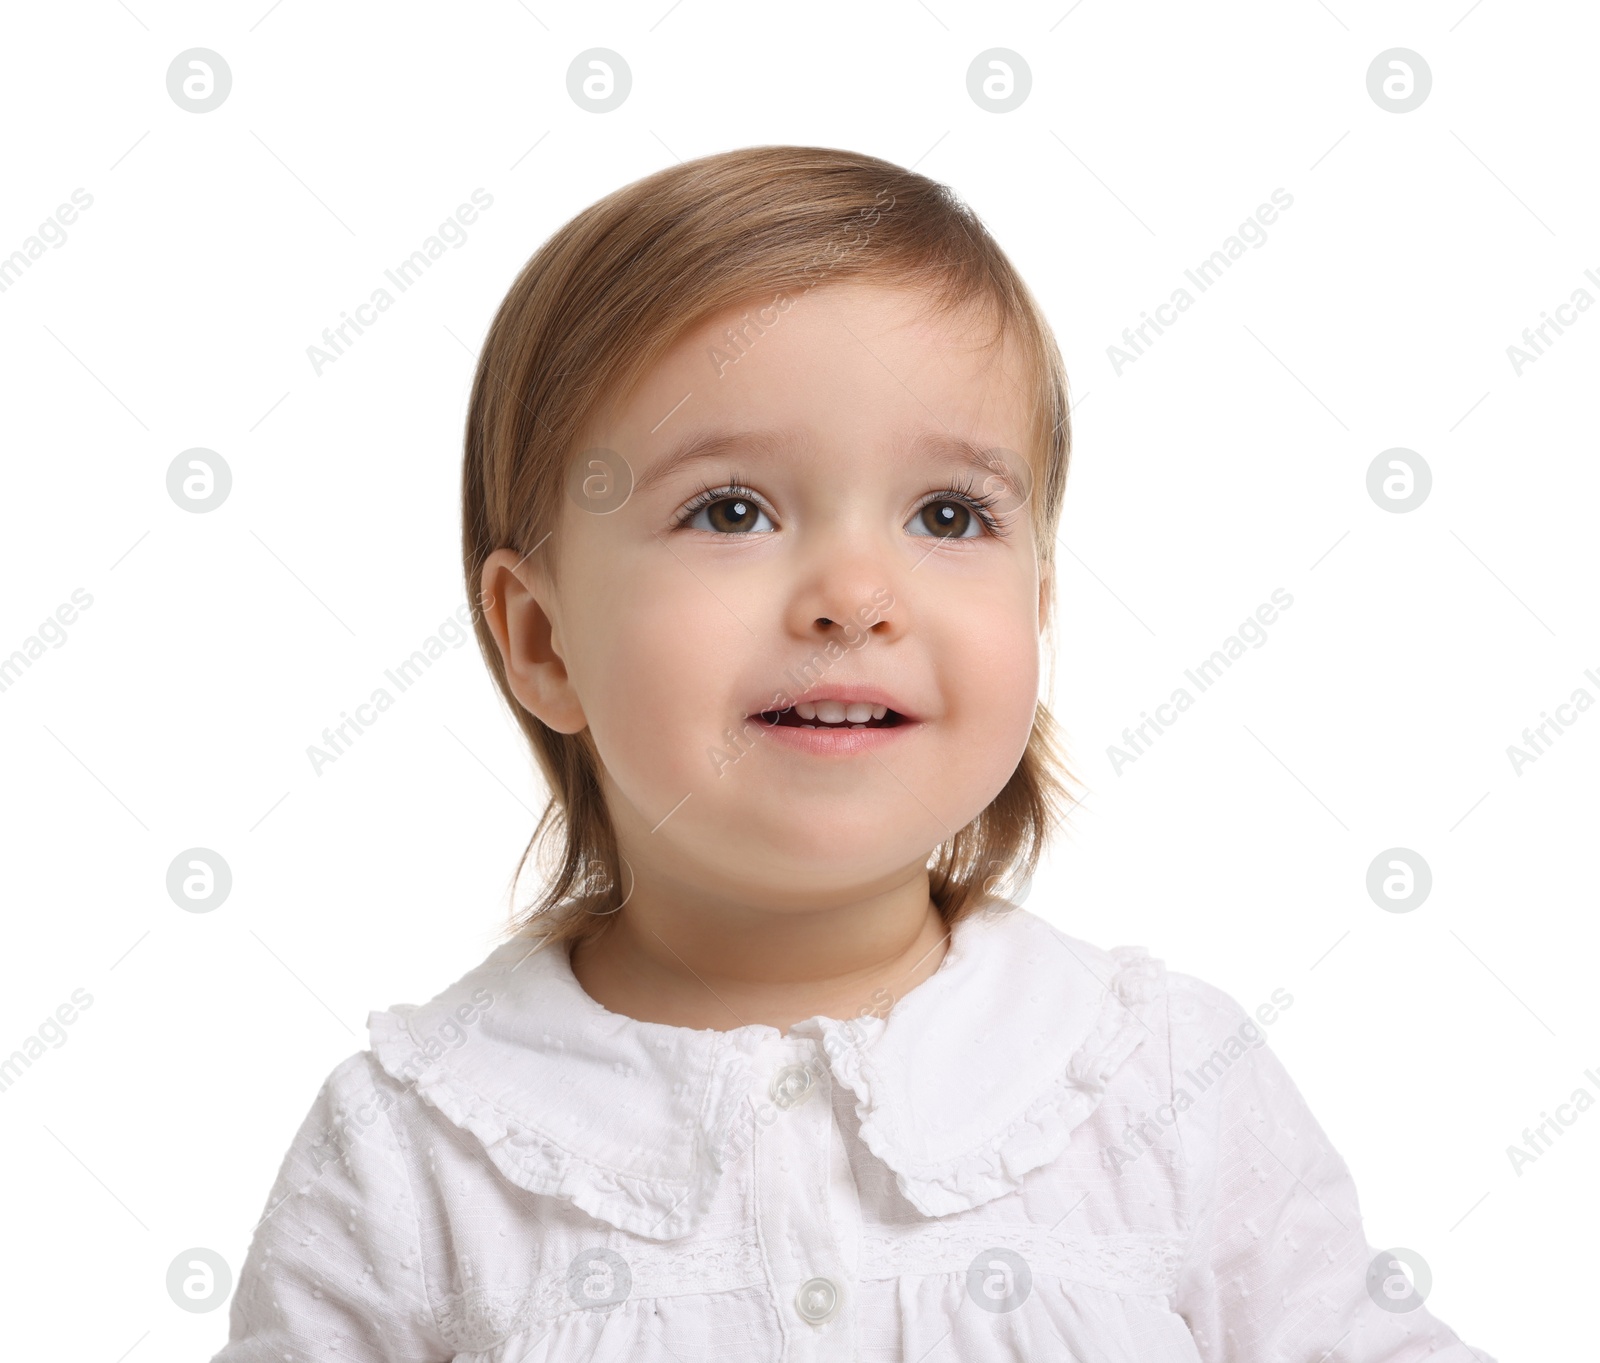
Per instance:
{"type": "Point", "coordinates": [824, 867]}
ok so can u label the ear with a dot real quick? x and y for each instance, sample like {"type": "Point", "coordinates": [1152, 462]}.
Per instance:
{"type": "Point", "coordinates": [517, 603]}
{"type": "Point", "coordinates": [1047, 597]}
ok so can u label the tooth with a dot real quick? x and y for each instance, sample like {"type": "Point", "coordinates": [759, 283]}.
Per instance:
{"type": "Point", "coordinates": [879, 711]}
{"type": "Point", "coordinates": [808, 726]}
{"type": "Point", "coordinates": [858, 713]}
{"type": "Point", "coordinates": [830, 711]}
{"type": "Point", "coordinates": [858, 726]}
{"type": "Point", "coordinates": [806, 710]}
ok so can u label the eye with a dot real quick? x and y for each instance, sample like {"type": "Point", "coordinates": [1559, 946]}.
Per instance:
{"type": "Point", "coordinates": [947, 519]}
{"type": "Point", "coordinates": [953, 515]}
{"type": "Point", "coordinates": [726, 511]}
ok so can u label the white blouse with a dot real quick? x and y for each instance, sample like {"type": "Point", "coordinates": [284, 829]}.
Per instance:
{"type": "Point", "coordinates": [1044, 1151]}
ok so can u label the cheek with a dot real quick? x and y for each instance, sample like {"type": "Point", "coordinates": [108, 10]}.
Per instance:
{"type": "Point", "coordinates": [652, 671]}
{"type": "Point", "coordinates": [992, 681]}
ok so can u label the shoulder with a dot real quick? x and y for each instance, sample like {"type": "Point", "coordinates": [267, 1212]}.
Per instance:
{"type": "Point", "coordinates": [349, 1123]}
{"type": "Point", "coordinates": [1014, 937]}
{"type": "Point", "coordinates": [1204, 1017]}
{"type": "Point", "coordinates": [356, 1079]}
{"type": "Point", "coordinates": [338, 1249]}
{"type": "Point", "coordinates": [1197, 1012]}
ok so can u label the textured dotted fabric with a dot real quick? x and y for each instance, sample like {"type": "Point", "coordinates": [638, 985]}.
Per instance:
{"type": "Point", "coordinates": [1046, 1150]}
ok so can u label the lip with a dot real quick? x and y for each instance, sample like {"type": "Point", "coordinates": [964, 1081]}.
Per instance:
{"type": "Point", "coordinates": [846, 693]}
{"type": "Point", "coordinates": [838, 742]}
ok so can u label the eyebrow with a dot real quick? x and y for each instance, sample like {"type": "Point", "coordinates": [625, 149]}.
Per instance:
{"type": "Point", "coordinates": [932, 445]}
{"type": "Point", "coordinates": [712, 445]}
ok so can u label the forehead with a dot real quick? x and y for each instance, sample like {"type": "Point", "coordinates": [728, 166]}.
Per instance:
{"type": "Point", "coordinates": [864, 356]}
{"type": "Point", "coordinates": [847, 316]}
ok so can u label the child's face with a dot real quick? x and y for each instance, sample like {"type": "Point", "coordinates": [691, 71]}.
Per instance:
{"type": "Point", "coordinates": [827, 573]}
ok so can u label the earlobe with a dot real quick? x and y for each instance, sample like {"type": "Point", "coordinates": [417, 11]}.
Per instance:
{"type": "Point", "coordinates": [536, 672]}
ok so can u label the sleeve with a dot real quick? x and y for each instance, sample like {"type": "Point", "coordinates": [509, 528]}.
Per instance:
{"type": "Point", "coordinates": [1278, 1268]}
{"type": "Point", "coordinates": [334, 1271]}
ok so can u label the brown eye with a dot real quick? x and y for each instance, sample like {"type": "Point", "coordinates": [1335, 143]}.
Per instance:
{"type": "Point", "coordinates": [946, 520]}
{"type": "Point", "coordinates": [733, 514]}
{"type": "Point", "coordinates": [728, 516]}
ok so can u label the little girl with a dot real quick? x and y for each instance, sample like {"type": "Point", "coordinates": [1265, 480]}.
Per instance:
{"type": "Point", "coordinates": [764, 463]}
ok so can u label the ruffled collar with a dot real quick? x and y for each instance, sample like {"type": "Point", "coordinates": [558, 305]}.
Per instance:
{"type": "Point", "coordinates": [976, 1077]}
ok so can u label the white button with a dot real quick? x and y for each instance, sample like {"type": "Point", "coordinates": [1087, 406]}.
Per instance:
{"type": "Point", "coordinates": [791, 1086]}
{"type": "Point", "coordinates": [817, 1300]}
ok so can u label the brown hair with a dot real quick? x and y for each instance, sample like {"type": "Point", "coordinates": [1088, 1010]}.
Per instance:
{"type": "Point", "coordinates": [590, 313]}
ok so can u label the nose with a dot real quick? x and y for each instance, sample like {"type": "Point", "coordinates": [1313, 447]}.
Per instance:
{"type": "Point", "coordinates": [848, 592]}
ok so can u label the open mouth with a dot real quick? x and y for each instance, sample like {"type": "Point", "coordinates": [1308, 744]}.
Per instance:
{"type": "Point", "coordinates": [832, 715]}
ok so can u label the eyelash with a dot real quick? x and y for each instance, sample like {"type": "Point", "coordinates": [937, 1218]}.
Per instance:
{"type": "Point", "coordinates": [981, 506]}
{"type": "Point", "coordinates": [733, 488]}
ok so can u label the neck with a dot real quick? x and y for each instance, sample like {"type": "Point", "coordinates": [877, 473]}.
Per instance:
{"type": "Point", "coordinates": [675, 955]}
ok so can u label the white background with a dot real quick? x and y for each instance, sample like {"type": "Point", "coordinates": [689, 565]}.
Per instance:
{"type": "Point", "coordinates": [1229, 460]}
